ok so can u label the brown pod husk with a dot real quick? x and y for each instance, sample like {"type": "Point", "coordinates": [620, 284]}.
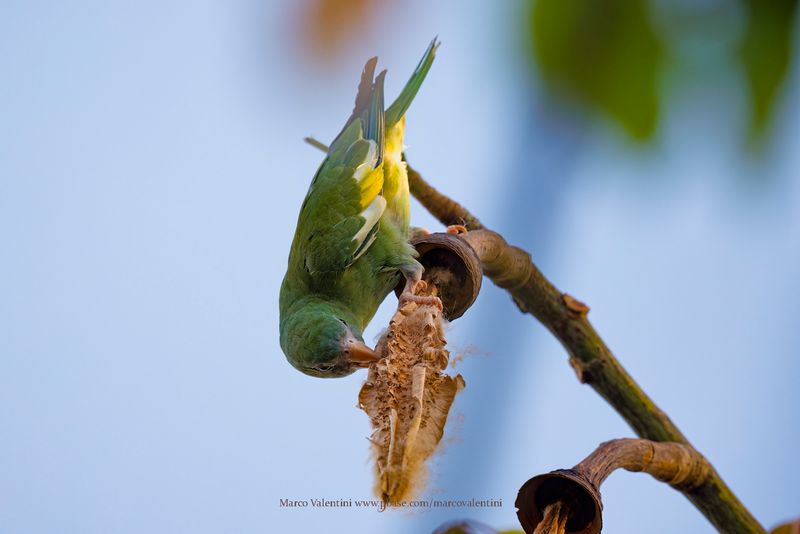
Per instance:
{"type": "Point", "coordinates": [579, 496]}
{"type": "Point", "coordinates": [408, 397]}
{"type": "Point", "coordinates": [453, 267]}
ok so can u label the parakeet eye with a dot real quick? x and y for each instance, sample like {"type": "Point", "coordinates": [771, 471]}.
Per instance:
{"type": "Point", "coordinates": [324, 367]}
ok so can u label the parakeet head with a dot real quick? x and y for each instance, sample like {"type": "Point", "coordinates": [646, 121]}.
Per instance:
{"type": "Point", "coordinates": [320, 340]}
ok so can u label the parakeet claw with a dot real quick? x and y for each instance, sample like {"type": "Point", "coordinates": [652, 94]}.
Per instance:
{"type": "Point", "coordinates": [409, 294]}
{"type": "Point", "coordinates": [457, 229]}
{"type": "Point", "coordinates": [418, 231]}
{"type": "Point", "coordinates": [419, 299]}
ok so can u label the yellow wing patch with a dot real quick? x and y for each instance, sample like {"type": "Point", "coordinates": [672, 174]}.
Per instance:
{"type": "Point", "coordinates": [370, 186]}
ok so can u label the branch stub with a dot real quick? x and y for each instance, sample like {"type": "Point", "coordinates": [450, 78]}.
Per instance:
{"type": "Point", "coordinates": [579, 496]}
{"type": "Point", "coordinates": [453, 267]}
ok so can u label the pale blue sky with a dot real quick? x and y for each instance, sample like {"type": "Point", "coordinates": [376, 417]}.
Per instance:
{"type": "Point", "coordinates": [151, 169]}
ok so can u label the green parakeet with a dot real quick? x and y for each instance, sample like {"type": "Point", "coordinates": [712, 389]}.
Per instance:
{"type": "Point", "coordinates": [351, 244]}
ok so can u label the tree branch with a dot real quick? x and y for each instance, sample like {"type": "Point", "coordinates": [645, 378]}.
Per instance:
{"type": "Point", "coordinates": [677, 464]}
{"type": "Point", "coordinates": [569, 499]}
{"type": "Point", "coordinates": [512, 269]}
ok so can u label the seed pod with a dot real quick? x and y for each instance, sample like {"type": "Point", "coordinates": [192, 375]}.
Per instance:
{"type": "Point", "coordinates": [453, 267]}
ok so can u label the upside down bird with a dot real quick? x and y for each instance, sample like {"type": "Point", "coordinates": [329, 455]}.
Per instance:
{"type": "Point", "coordinates": [351, 244]}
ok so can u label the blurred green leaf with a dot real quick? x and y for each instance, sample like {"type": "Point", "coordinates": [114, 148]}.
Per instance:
{"type": "Point", "coordinates": [603, 54]}
{"type": "Point", "coordinates": [765, 53]}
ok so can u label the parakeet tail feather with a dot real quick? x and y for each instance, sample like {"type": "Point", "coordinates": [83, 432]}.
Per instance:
{"type": "Point", "coordinates": [399, 107]}
{"type": "Point", "coordinates": [363, 100]}
{"type": "Point", "coordinates": [374, 124]}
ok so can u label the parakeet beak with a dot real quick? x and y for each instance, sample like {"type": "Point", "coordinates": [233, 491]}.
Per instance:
{"type": "Point", "coordinates": [360, 354]}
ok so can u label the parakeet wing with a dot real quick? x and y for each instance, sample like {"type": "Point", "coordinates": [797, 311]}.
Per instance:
{"type": "Point", "coordinates": [339, 217]}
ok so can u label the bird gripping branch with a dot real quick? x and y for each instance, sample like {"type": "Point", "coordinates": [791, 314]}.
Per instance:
{"type": "Point", "coordinates": [351, 246]}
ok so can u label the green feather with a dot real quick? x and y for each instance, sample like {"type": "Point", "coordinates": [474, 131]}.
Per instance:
{"type": "Point", "coordinates": [400, 105]}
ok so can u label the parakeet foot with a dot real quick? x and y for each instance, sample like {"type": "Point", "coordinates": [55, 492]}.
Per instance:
{"type": "Point", "coordinates": [409, 294]}
{"type": "Point", "coordinates": [457, 229]}
{"type": "Point", "coordinates": [417, 231]}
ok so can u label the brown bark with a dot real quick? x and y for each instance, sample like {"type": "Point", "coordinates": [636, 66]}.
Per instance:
{"type": "Point", "coordinates": [677, 464]}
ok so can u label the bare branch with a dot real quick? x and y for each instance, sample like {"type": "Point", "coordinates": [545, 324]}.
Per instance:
{"type": "Point", "coordinates": [570, 498]}
{"type": "Point", "coordinates": [677, 464]}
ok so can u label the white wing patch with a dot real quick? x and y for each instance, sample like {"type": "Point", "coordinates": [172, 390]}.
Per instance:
{"type": "Point", "coordinates": [372, 215]}
{"type": "Point", "coordinates": [369, 162]}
